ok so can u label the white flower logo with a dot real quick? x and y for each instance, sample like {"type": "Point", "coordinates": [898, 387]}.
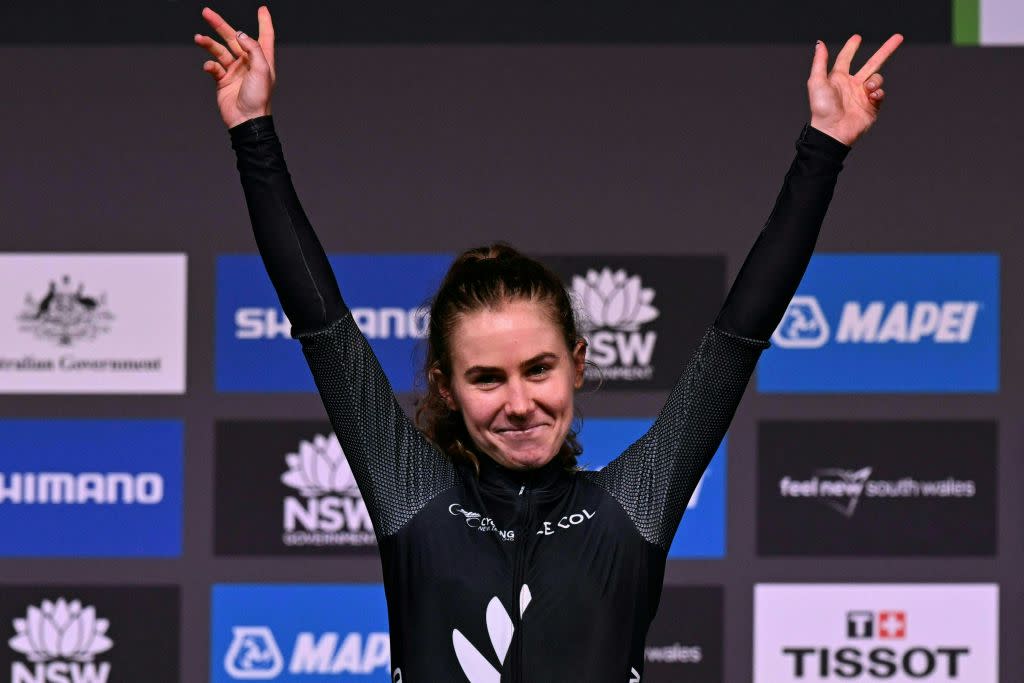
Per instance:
{"type": "Point", "coordinates": [63, 630]}
{"type": "Point", "coordinates": [613, 299]}
{"type": "Point", "coordinates": [319, 468]}
{"type": "Point", "coordinates": [500, 630]}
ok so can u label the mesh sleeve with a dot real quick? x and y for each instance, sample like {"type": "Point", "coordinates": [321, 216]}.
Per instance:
{"type": "Point", "coordinates": [398, 470]}
{"type": "Point", "coordinates": [655, 477]}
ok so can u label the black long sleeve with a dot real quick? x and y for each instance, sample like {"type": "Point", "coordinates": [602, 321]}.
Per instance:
{"type": "Point", "coordinates": [291, 252]}
{"type": "Point", "coordinates": [777, 261]}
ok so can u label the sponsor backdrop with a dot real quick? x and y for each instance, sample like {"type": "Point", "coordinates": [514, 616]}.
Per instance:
{"type": "Point", "coordinates": [175, 506]}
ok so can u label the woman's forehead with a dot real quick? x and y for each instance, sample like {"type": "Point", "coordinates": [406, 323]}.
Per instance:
{"type": "Point", "coordinates": [506, 335]}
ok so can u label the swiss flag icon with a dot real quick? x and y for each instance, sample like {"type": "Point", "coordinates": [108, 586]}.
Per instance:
{"type": "Point", "coordinates": [892, 624]}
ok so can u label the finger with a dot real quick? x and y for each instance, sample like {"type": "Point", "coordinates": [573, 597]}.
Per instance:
{"type": "Point", "coordinates": [877, 96]}
{"type": "Point", "coordinates": [266, 35]}
{"type": "Point", "coordinates": [878, 59]}
{"type": "Point", "coordinates": [255, 52]}
{"type": "Point", "coordinates": [819, 66]}
{"type": "Point", "coordinates": [845, 56]}
{"type": "Point", "coordinates": [223, 30]}
{"type": "Point", "coordinates": [219, 52]}
{"type": "Point", "coordinates": [874, 82]}
{"type": "Point", "coordinates": [214, 69]}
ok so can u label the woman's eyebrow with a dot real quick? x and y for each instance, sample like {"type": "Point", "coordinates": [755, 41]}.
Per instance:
{"type": "Point", "coordinates": [543, 356]}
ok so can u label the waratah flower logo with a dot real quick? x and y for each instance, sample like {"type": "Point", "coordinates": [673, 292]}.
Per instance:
{"type": "Point", "coordinates": [319, 468]}
{"type": "Point", "coordinates": [613, 300]}
{"type": "Point", "coordinates": [62, 630]}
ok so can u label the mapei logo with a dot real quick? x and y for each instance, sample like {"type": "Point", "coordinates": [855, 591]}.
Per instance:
{"type": "Point", "coordinates": [889, 322]}
{"type": "Point", "coordinates": [61, 640]}
{"type": "Point", "coordinates": [804, 325]}
{"type": "Point", "coordinates": [331, 511]}
{"type": "Point", "coordinates": [66, 313]}
{"type": "Point", "coordinates": [614, 307]}
{"type": "Point", "coordinates": [254, 654]}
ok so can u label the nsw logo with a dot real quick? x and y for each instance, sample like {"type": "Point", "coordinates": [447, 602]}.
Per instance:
{"type": "Point", "coordinates": [614, 307]}
{"type": "Point", "coordinates": [329, 510]}
{"type": "Point", "coordinates": [62, 640]}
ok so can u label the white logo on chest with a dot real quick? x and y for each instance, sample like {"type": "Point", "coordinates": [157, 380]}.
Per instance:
{"type": "Point", "coordinates": [474, 520]}
{"type": "Point", "coordinates": [567, 522]}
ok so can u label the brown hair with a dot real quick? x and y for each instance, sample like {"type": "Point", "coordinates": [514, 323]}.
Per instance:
{"type": "Point", "coordinates": [480, 278]}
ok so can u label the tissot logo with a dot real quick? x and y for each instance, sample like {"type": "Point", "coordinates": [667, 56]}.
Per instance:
{"type": "Point", "coordinates": [888, 322]}
{"type": "Point", "coordinates": [616, 299]}
{"type": "Point", "coordinates": [876, 632]}
{"type": "Point", "coordinates": [300, 633]}
{"type": "Point", "coordinates": [299, 490]}
{"type": "Point", "coordinates": [386, 294]}
{"type": "Point", "coordinates": [888, 488]}
{"type": "Point", "coordinates": [79, 323]}
{"type": "Point", "coordinates": [78, 634]}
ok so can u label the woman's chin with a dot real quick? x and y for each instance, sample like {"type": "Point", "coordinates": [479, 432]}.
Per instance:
{"type": "Point", "coordinates": [525, 459]}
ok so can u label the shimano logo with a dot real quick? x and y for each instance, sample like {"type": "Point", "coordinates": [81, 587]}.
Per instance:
{"type": "Point", "coordinates": [67, 488]}
{"type": "Point", "coordinates": [804, 325]}
{"type": "Point", "coordinates": [374, 323]}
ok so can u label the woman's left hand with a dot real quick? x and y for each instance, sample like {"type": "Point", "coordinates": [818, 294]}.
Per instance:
{"type": "Point", "coordinates": [844, 105]}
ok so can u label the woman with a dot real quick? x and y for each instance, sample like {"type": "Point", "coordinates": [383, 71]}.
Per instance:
{"type": "Point", "coordinates": [501, 560]}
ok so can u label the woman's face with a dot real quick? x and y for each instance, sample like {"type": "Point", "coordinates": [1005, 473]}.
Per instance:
{"type": "Point", "coordinates": [513, 380]}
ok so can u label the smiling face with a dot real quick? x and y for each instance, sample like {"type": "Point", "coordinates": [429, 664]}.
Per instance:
{"type": "Point", "coordinates": [512, 378]}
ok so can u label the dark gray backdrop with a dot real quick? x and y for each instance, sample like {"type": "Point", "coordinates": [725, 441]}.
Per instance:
{"type": "Point", "coordinates": [556, 149]}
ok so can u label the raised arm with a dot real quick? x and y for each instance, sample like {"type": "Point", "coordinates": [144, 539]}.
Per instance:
{"type": "Point", "coordinates": [397, 469]}
{"type": "Point", "coordinates": [655, 477]}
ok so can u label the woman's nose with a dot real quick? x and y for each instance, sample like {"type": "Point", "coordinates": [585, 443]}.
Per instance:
{"type": "Point", "coordinates": [518, 401]}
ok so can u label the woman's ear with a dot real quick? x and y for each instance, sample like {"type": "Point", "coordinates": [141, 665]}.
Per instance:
{"type": "Point", "coordinates": [579, 360]}
{"type": "Point", "coordinates": [438, 379]}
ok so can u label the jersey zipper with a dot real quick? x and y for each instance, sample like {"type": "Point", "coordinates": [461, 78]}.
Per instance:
{"type": "Point", "coordinates": [518, 573]}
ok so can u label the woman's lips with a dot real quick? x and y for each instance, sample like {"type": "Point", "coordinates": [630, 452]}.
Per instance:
{"type": "Point", "coordinates": [520, 432]}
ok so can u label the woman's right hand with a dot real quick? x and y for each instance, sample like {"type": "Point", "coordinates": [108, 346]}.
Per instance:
{"type": "Point", "coordinates": [244, 70]}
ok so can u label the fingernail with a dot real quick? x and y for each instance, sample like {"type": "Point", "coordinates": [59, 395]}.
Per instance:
{"type": "Point", "coordinates": [240, 34]}
{"type": "Point", "coordinates": [871, 84]}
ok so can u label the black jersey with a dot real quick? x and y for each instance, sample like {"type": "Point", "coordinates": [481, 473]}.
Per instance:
{"type": "Point", "coordinates": [547, 575]}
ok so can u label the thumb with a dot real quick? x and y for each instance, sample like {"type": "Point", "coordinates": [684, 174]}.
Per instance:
{"type": "Point", "coordinates": [819, 66]}
{"type": "Point", "coordinates": [253, 49]}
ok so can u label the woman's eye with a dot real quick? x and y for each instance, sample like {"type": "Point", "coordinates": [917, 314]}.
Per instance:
{"type": "Point", "coordinates": [539, 370]}
{"type": "Point", "coordinates": [485, 379]}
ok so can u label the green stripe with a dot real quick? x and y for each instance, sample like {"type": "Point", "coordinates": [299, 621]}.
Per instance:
{"type": "Point", "coordinates": [966, 22]}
